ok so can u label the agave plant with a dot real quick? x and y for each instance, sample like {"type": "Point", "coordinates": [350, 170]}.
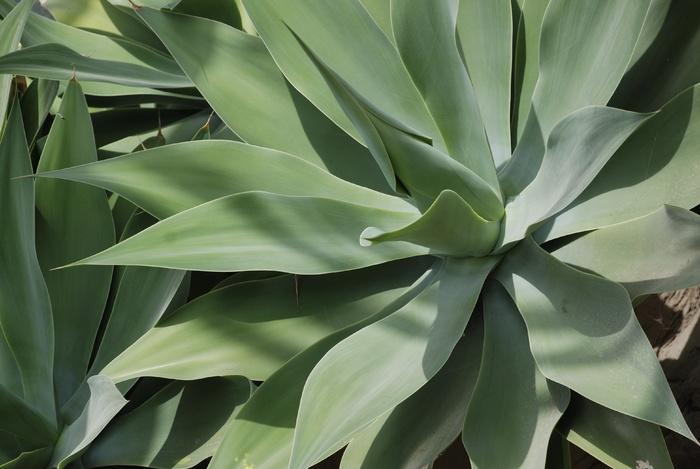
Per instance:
{"type": "Point", "coordinates": [437, 217]}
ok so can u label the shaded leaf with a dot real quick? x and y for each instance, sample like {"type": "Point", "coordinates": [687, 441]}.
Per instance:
{"type": "Point", "coordinates": [615, 439]}
{"type": "Point", "coordinates": [252, 96]}
{"type": "Point", "coordinates": [425, 39]}
{"type": "Point", "coordinates": [73, 220]}
{"type": "Point", "coordinates": [584, 335]}
{"type": "Point", "coordinates": [577, 149]}
{"type": "Point", "coordinates": [603, 35]}
{"type": "Point", "coordinates": [350, 387]}
{"type": "Point", "coordinates": [514, 408]}
{"type": "Point", "coordinates": [653, 254]}
{"type": "Point", "coordinates": [166, 181]}
{"type": "Point", "coordinates": [262, 433]}
{"type": "Point", "coordinates": [263, 231]}
{"type": "Point", "coordinates": [417, 430]}
{"type": "Point", "coordinates": [252, 328]}
{"type": "Point", "coordinates": [178, 427]}
{"type": "Point", "coordinates": [25, 307]}
{"type": "Point", "coordinates": [657, 165]}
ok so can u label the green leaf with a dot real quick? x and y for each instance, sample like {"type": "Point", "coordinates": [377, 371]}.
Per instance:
{"type": "Point", "coordinates": [425, 39]}
{"type": "Point", "coordinates": [223, 11]}
{"type": "Point", "coordinates": [262, 434]}
{"type": "Point", "coordinates": [178, 427]}
{"type": "Point", "coordinates": [657, 165]}
{"type": "Point", "coordinates": [104, 403]}
{"type": "Point", "coordinates": [380, 10]}
{"type": "Point", "coordinates": [58, 62]}
{"type": "Point", "coordinates": [656, 253]}
{"type": "Point", "coordinates": [273, 320]}
{"type": "Point", "coordinates": [36, 103]}
{"type": "Point", "coordinates": [30, 459]}
{"type": "Point", "coordinates": [485, 38]}
{"type": "Point", "coordinates": [584, 335]}
{"type": "Point", "coordinates": [344, 37]}
{"type": "Point", "coordinates": [417, 430]}
{"type": "Point", "coordinates": [667, 61]}
{"type": "Point", "coordinates": [514, 408]}
{"type": "Point", "coordinates": [376, 368]}
{"type": "Point", "coordinates": [73, 221]}
{"type": "Point", "coordinates": [25, 307]}
{"type": "Point", "coordinates": [613, 438]}
{"type": "Point", "coordinates": [252, 96]}
{"type": "Point", "coordinates": [603, 35]}
{"type": "Point", "coordinates": [21, 422]}
{"type": "Point", "coordinates": [41, 30]}
{"type": "Point", "coordinates": [450, 226]}
{"type": "Point", "coordinates": [304, 235]}
{"type": "Point", "coordinates": [168, 180]}
{"type": "Point", "coordinates": [10, 32]}
{"type": "Point", "coordinates": [578, 148]}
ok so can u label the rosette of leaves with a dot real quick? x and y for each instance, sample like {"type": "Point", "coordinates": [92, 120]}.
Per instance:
{"type": "Point", "coordinates": [60, 327]}
{"type": "Point", "coordinates": [439, 221]}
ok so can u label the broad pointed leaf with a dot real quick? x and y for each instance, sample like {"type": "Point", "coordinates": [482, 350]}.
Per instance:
{"type": "Point", "coordinates": [417, 430]}
{"type": "Point", "coordinates": [386, 362]}
{"type": "Point", "coordinates": [615, 439]}
{"type": "Point", "coordinates": [178, 427]}
{"type": "Point", "coordinates": [485, 38]}
{"type": "Point", "coordinates": [514, 408]}
{"type": "Point", "coordinates": [425, 38]}
{"type": "Point", "coordinates": [578, 148]}
{"type": "Point", "coordinates": [245, 87]}
{"type": "Point", "coordinates": [603, 35]}
{"type": "Point", "coordinates": [262, 434]}
{"type": "Point", "coordinates": [10, 32]}
{"type": "Point", "coordinates": [104, 403]}
{"type": "Point", "coordinates": [25, 307]}
{"type": "Point", "coordinates": [253, 328]}
{"type": "Point", "coordinates": [656, 253]}
{"type": "Point", "coordinates": [657, 165]}
{"type": "Point", "coordinates": [585, 336]}
{"type": "Point", "coordinates": [58, 62]}
{"type": "Point", "coordinates": [168, 180]}
{"type": "Point", "coordinates": [344, 36]}
{"type": "Point", "coordinates": [450, 226]}
{"type": "Point", "coordinates": [73, 221]}
{"type": "Point", "coordinates": [263, 231]}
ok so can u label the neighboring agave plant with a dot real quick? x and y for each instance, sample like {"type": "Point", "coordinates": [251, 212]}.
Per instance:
{"type": "Point", "coordinates": [434, 232]}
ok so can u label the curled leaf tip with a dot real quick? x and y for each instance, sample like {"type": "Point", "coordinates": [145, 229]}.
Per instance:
{"type": "Point", "coordinates": [368, 235]}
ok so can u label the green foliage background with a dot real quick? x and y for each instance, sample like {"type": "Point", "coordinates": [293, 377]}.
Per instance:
{"type": "Point", "coordinates": [249, 234]}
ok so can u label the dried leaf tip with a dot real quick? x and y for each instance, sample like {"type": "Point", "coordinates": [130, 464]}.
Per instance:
{"type": "Point", "coordinates": [136, 7]}
{"type": "Point", "coordinates": [74, 78]}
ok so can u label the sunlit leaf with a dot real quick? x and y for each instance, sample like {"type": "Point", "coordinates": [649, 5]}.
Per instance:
{"type": "Point", "coordinates": [417, 430]}
{"type": "Point", "coordinates": [262, 434]}
{"type": "Point", "coordinates": [657, 165]}
{"type": "Point", "coordinates": [414, 344]}
{"type": "Point", "coordinates": [244, 86]}
{"type": "Point", "coordinates": [656, 253]}
{"type": "Point", "coordinates": [584, 335]}
{"type": "Point", "coordinates": [272, 321]}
